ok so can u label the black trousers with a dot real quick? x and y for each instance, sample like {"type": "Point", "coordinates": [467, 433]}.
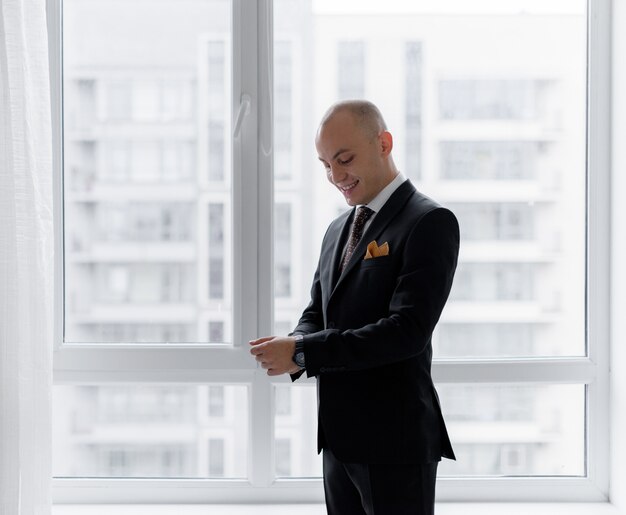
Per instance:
{"type": "Point", "coordinates": [373, 489]}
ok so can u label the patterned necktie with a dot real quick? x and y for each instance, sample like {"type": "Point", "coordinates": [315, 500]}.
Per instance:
{"type": "Point", "coordinates": [362, 216]}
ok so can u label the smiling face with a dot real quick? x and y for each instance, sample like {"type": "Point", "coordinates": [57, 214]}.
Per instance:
{"type": "Point", "coordinates": [356, 160]}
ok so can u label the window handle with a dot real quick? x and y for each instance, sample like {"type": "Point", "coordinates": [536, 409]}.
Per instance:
{"type": "Point", "coordinates": [244, 110]}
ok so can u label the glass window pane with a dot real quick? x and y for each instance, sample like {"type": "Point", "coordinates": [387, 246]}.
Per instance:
{"type": "Point", "coordinates": [146, 143]}
{"type": "Point", "coordinates": [497, 430]}
{"type": "Point", "coordinates": [494, 132]}
{"type": "Point", "coordinates": [156, 431]}
{"type": "Point", "coordinates": [295, 423]}
{"type": "Point", "coordinates": [515, 430]}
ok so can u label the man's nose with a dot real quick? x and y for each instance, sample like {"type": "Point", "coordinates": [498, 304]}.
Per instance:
{"type": "Point", "coordinates": [336, 174]}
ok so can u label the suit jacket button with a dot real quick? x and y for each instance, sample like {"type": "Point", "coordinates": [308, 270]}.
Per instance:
{"type": "Point", "coordinates": [322, 369]}
{"type": "Point", "coordinates": [331, 325]}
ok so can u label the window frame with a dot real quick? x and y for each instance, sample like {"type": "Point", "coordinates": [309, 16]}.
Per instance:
{"type": "Point", "coordinates": [252, 205]}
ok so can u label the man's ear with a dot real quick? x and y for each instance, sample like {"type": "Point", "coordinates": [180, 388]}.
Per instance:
{"type": "Point", "coordinates": [386, 143]}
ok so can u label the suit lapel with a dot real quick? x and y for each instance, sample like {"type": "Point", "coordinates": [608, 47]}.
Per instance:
{"type": "Point", "coordinates": [388, 212]}
{"type": "Point", "coordinates": [331, 272]}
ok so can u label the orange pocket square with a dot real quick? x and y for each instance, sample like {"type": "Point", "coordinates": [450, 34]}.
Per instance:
{"type": "Point", "coordinates": [374, 251]}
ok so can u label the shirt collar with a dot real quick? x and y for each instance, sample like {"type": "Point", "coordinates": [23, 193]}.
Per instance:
{"type": "Point", "coordinates": [379, 200]}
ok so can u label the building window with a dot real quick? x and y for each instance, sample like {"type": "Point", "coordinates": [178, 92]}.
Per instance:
{"type": "Point", "coordinates": [216, 457]}
{"type": "Point", "coordinates": [216, 251]}
{"type": "Point", "coordinates": [282, 250]}
{"type": "Point", "coordinates": [413, 116]}
{"type": "Point", "coordinates": [118, 101]}
{"type": "Point", "coordinates": [493, 282]}
{"type": "Point", "coordinates": [505, 339]}
{"type": "Point", "coordinates": [142, 460]}
{"type": "Point", "coordinates": [216, 401]}
{"type": "Point", "coordinates": [283, 124]}
{"type": "Point", "coordinates": [177, 161]}
{"type": "Point", "coordinates": [351, 69]}
{"type": "Point", "coordinates": [145, 100]}
{"type": "Point", "coordinates": [143, 222]}
{"type": "Point", "coordinates": [216, 97]}
{"type": "Point", "coordinates": [283, 457]}
{"type": "Point", "coordinates": [496, 220]}
{"type": "Point", "coordinates": [489, 160]}
{"type": "Point", "coordinates": [505, 99]}
{"type": "Point", "coordinates": [283, 401]}
{"type": "Point", "coordinates": [216, 331]}
{"type": "Point", "coordinates": [83, 104]}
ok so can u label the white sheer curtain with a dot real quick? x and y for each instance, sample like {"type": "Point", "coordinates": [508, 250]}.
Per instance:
{"type": "Point", "coordinates": [26, 269]}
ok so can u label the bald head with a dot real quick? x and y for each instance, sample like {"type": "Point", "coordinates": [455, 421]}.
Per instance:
{"type": "Point", "coordinates": [354, 146]}
{"type": "Point", "coordinates": [365, 114]}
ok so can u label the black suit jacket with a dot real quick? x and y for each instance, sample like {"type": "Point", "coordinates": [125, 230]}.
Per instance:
{"type": "Point", "coordinates": [367, 333]}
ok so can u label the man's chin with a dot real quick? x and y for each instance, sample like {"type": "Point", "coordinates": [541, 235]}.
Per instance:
{"type": "Point", "coordinates": [351, 200]}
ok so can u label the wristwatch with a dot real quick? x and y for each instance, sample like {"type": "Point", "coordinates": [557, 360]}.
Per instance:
{"type": "Point", "coordinates": [298, 355]}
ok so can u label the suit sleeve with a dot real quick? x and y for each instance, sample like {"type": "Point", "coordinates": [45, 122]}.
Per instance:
{"type": "Point", "coordinates": [312, 319]}
{"type": "Point", "coordinates": [421, 289]}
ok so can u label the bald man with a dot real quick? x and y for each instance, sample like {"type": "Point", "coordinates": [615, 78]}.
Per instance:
{"type": "Point", "coordinates": [383, 278]}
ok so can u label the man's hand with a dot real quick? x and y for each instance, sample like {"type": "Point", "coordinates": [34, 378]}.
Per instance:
{"type": "Point", "coordinates": [275, 354]}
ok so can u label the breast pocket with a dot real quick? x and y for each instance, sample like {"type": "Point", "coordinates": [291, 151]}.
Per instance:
{"type": "Point", "coordinates": [381, 261]}
{"type": "Point", "coordinates": [379, 279]}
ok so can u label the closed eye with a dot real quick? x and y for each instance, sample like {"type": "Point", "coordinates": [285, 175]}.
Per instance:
{"type": "Point", "coordinates": [347, 161]}
{"type": "Point", "coordinates": [325, 164]}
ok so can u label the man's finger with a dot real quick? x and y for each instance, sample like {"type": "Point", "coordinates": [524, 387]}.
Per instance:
{"type": "Point", "coordinates": [261, 340]}
{"type": "Point", "coordinates": [257, 349]}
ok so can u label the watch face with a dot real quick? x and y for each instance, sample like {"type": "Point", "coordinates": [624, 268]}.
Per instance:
{"type": "Point", "coordinates": [300, 359]}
